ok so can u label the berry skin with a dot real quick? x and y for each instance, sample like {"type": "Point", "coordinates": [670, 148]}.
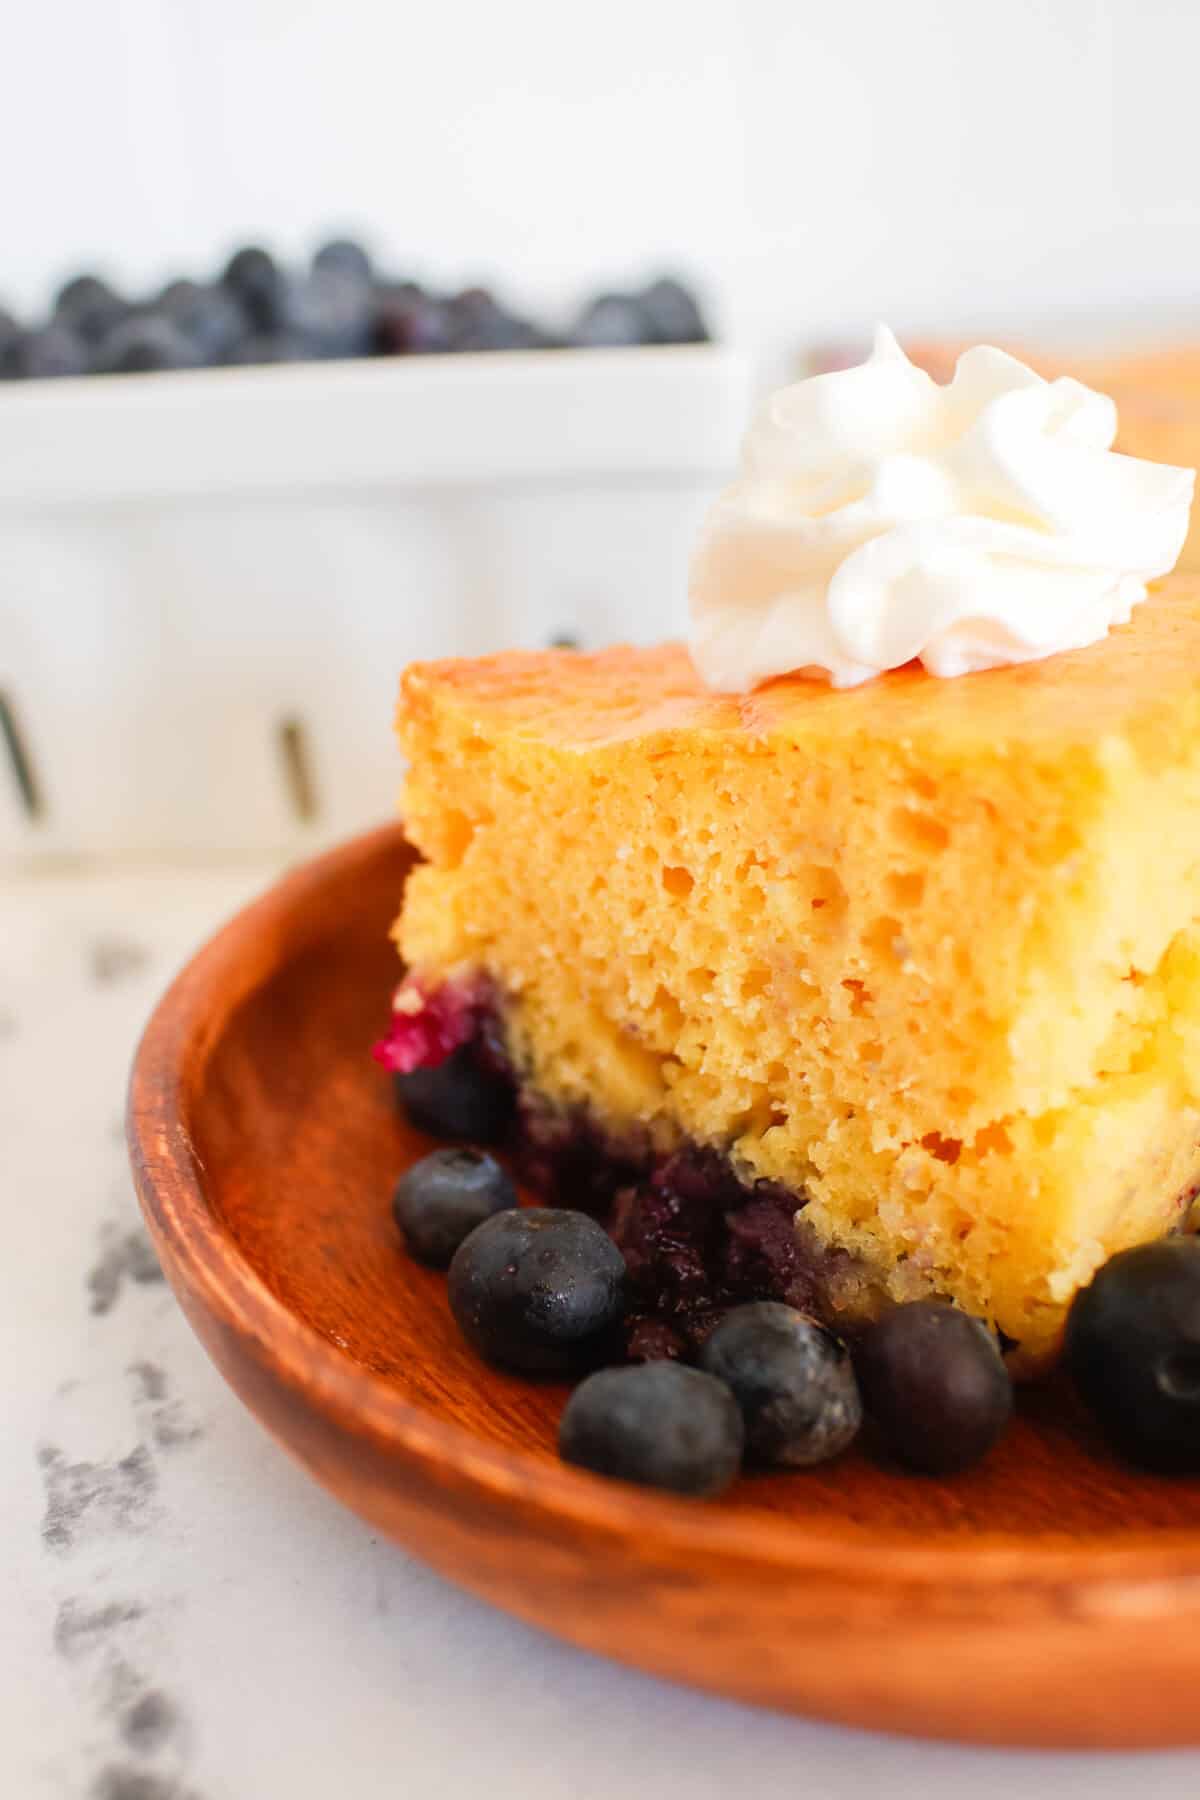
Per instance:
{"type": "Point", "coordinates": [1133, 1350]}
{"type": "Point", "coordinates": [934, 1386]}
{"type": "Point", "coordinates": [441, 1199]}
{"type": "Point", "coordinates": [140, 345]}
{"type": "Point", "coordinates": [610, 321]}
{"type": "Point", "coordinates": [659, 1424]}
{"type": "Point", "coordinates": [258, 284]}
{"type": "Point", "coordinates": [344, 257]}
{"type": "Point", "coordinates": [539, 1290]}
{"type": "Point", "coordinates": [458, 1099]}
{"type": "Point", "coordinates": [51, 351]}
{"type": "Point", "coordinates": [673, 315]}
{"type": "Point", "coordinates": [792, 1379]}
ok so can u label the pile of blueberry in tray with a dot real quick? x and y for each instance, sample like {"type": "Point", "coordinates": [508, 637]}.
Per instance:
{"type": "Point", "coordinates": [258, 311]}
{"type": "Point", "coordinates": [545, 1291]}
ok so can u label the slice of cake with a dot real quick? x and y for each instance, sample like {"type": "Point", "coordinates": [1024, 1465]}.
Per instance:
{"type": "Point", "coordinates": [923, 955]}
{"type": "Point", "coordinates": [853, 956]}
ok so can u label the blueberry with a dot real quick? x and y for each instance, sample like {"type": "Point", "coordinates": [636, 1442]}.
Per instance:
{"type": "Point", "coordinates": [269, 347]}
{"type": "Point", "coordinates": [460, 1098]}
{"type": "Point", "coordinates": [89, 307]}
{"type": "Point", "coordinates": [1133, 1349]}
{"type": "Point", "coordinates": [208, 316]}
{"type": "Point", "coordinates": [410, 323]}
{"type": "Point", "coordinates": [344, 257]}
{"type": "Point", "coordinates": [792, 1379]}
{"type": "Point", "coordinates": [51, 350]}
{"type": "Point", "coordinates": [442, 1198]}
{"type": "Point", "coordinates": [672, 314]}
{"type": "Point", "coordinates": [934, 1386]}
{"type": "Point", "coordinates": [141, 344]}
{"type": "Point", "coordinates": [659, 1424]}
{"type": "Point", "coordinates": [258, 284]}
{"type": "Point", "coordinates": [539, 1290]}
{"type": "Point", "coordinates": [331, 312]}
{"type": "Point", "coordinates": [610, 321]}
{"type": "Point", "coordinates": [479, 322]}
{"type": "Point", "coordinates": [10, 332]}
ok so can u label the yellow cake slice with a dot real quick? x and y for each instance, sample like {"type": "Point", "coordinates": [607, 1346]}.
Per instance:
{"type": "Point", "coordinates": [922, 956]}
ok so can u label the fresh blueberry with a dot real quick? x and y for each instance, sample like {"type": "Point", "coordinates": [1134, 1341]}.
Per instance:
{"type": "Point", "coordinates": [259, 286]}
{"type": "Point", "coordinates": [461, 1098]}
{"type": "Point", "coordinates": [10, 332]}
{"type": "Point", "coordinates": [792, 1379]}
{"type": "Point", "coordinates": [610, 321]}
{"type": "Point", "coordinates": [659, 1424]}
{"type": "Point", "coordinates": [208, 316]}
{"type": "Point", "coordinates": [332, 312]}
{"type": "Point", "coordinates": [1133, 1349]}
{"type": "Point", "coordinates": [539, 1290]}
{"type": "Point", "coordinates": [672, 313]}
{"type": "Point", "coordinates": [442, 1198]}
{"type": "Point", "coordinates": [934, 1386]}
{"type": "Point", "coordinates": [411, 323]}
{"type": "Point", "coordinates": [269, 347]}
{"type": "Point", "coordinates": [51, 350]}
{"type": "Point", "coordinates": [141, 344]}
{"type": "Point", "coordinates": [343, 256]}
{"type": "Point", "coordinates": [89, 307]}
{"type": "Point", "coordinates": [479, 322]}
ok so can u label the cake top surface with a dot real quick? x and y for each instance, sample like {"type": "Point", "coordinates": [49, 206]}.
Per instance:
{"type": "Point", "coordinates": [1140, 675]}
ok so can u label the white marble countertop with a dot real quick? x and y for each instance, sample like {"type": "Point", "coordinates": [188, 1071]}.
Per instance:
{"type": "Point", "coordinates": [183, 1615]}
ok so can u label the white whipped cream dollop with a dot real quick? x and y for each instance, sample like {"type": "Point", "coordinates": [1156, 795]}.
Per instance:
{"type": "Point", "coordinates": [880, 516]}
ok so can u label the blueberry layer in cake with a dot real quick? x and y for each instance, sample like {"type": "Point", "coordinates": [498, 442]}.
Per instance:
{"type": "Point", "coordinates": [912, 970]}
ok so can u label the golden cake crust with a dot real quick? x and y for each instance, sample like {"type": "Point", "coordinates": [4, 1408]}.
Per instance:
{"type": "Point", "coordinates": [624, 695]}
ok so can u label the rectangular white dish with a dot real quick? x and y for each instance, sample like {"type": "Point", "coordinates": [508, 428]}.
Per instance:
{"type": "Point", "coordinates": [210, 580]}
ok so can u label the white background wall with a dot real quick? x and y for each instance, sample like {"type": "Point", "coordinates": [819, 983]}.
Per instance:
{"type": "Point", "coordinates": [938, 162]}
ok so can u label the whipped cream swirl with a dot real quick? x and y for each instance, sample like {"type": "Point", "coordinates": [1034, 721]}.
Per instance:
{"type": "Point", "coordinates": [880, 517]}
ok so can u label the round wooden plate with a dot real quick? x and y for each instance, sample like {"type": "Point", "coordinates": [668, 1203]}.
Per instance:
{"type": "Point", "coordinates": [1048, 1597]}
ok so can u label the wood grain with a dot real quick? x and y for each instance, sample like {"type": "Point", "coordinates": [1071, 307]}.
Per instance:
{"type": "Point", "coordinates": [1049, 1597]}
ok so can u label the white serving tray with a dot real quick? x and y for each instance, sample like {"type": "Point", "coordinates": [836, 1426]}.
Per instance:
{"type": "Point", "coordinates": [209, 581]}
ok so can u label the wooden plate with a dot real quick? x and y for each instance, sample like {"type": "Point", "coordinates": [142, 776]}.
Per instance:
{"type": "Point", "coordinates": [1049, 1597]}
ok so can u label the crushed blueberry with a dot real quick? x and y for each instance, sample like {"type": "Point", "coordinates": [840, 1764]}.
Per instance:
{"type": "Point", "coordinates": [659, 1424]}
{"type": "Point", "coordinates": [426, 1027]}
{"type": "Point", "coordinates": [449, 1067]}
